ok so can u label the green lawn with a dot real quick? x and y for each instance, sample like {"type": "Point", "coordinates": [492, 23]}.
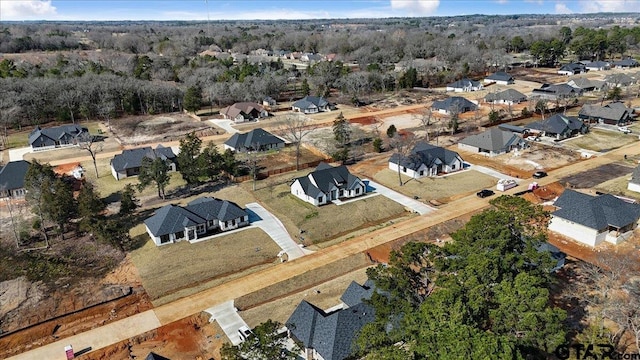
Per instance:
{"type": "Point", "coordinates": [602, 140]}
{"type": "Point", "coordinates": [442, 189]}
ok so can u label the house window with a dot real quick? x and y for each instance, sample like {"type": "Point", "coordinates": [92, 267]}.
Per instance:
{"type": "Point", "coordinates": [404, 169]}
{"type": "Point", "coordinates": [180, 235]}
{"type": "Point", "coordinates": [233, 222]}
{"type": "Point", "coordinates": [357, 191]}
{"type": "Point", "coordinates": [201, 228]}
{"type": "Point", "coordinates": [210, 223]}
{"type": "Point", "coordinates": [453, 167]}
{"type": "Point", "coordinates": [164, 239]}
{"type": "Point", "coordinates": [421, 172]}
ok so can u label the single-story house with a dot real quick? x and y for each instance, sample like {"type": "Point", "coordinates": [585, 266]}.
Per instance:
{"type": "Point", "coordinates": [614, 80]}
{"type": "Point", "coordinates": [634, 182]}
{"type": "Point", "coordinates": [464, 85]}
{"type": "Point", "coordinates": [572, 69]}
{"type": "Point", "coordinates": [128, 163]}
{"type": "Point", "coordinates": [593, 219]}
{"type": "Point", "coordinates": [586, 84]}
{"type": "Point", "coordinates": [327, 183]}
{"type": "Point", "coordinates": [330, 335]}
{"type": "Point", "coordinates": [201, 217]}
{"type": "Point", "coordinates": [492, 142]}
{"type": "Point", "coordinates": [311, 105]}
{"type": "Point", "coordinates": [500, 78]}
{"type": "Point", "coordinates": [556, 91]}
{"type": "Point", "coordinates": [269, 101]}
{"type": "Point", "coordinates": [426, 160]}
{"type": "Point", "coordinates": [509, 96]}
{"type": "Point", "coordinates": [558, 126]}
{"type": "Point", "coordinates": [456, 104]}
{"type": "Point", "coordinates": [54, 137]}
{"type": "Point", "coordinates": [598, 66]}
{"type": "Point", "coordinates": [615, 113]}
{"type": "Point", "coordinates": [255, 140]}
{"type": "Point", "coordinates": [244, 111]}
{"type": "Point", "coordinates": [625, 63]}
{"type": "Point", "coordinates": [12, 179]}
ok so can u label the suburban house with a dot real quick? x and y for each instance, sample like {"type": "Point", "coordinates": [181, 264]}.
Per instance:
{"type": "Point", "coordinates": [312, 58]}
{"type": "Point", "coordinates": [585, 84]}
{"type": "Point", "coordinates": [426, 160]}
{"type": "Point", "coordinates": [500, 78]}
{"type": "Point", "coordinates": [556, 91]}
{"type": "Point", "coordinates": [254, 140]}
{"type": "Point", "coordinates": [625, 63]}
{"type": "Point", "coordinates": [509, 96]}
{"type": "Point", "coordinates": [311, 105]}
{"type": "Point", "coordinates": [244, 111]}
{"type": "Point", "coordinates": [492, 142]}
{"type": "Point", "coordinates": [593, 219]}
{"type": "Point", "coordinates": [200, 218]}
{"type": "Point", "coordinates": [327, 183]}
{"type": "Point", "coordinates": [634, 182]}
{"type": "Point", "coordinates": [572, 69]}
{"type": "Point", "coordinates": [464, 85]}
{"type": "Point", "coordinates": [615, 113]}
{"type": "Point", "coordinates": [268, 101]}
{"type": "Point", "coordinates": [598, 66]}
{"type": "Point", "coordinates": [128, 163]}
{"type": "Point", "coordinates": [12, 179]}
{"type": "Point", "coordinates": [614, 80]}
{"type": "Point", "coordinates": [559, 126]}
{"type": "Point", "coordinates": [330, 335]}
{"type": "Point", "coordinates": [453, 104]}
{"type": "Point", "coordinates": [59, 136]}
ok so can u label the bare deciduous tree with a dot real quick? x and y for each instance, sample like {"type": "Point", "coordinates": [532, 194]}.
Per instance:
{"type": "Point", "coordinates": [295, 128]}
{"type": "Point", "coordinates": [93, 145]}
{"type": "Point", "coordinates": [402, 144]}
{"type": "Point", "coordinates": [425, 119]}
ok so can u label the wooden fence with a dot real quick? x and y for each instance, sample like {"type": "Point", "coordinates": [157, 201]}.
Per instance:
{"type": "Point", "coordinates": [266, 174]}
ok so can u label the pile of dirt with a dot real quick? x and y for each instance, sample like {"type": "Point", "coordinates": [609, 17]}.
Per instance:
{"type": "Point", "coordinates": [549, 192]}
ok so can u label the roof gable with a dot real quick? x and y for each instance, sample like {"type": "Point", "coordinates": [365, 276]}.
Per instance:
{"type": "Point", "coordinates": [454, 103]}
{"type": "Point", "coordinates": [12, 175]}
{"type": "Point", "coordinates": [500, 76]}
{"type": "Point", "coordinates": [132, 158]}
{"type": "Point", "coordinates": [427, 154]}
{"type": "Point", "coordinates": [595, 212]}
{"type": "Point", "coordinates": [493, 139]}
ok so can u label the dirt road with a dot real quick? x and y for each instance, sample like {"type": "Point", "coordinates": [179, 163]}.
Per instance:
{"type": "Point", "coordinates": [152, 319]}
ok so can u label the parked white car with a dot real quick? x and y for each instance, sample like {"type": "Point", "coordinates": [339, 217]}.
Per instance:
{"type": "Point", "coordinates": [624, 129]}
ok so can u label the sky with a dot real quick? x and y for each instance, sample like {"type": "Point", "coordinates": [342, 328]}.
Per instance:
{"type": "Point", "coordinates": [291, 9]}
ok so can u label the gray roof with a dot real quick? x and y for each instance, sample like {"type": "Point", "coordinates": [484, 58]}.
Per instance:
{"type": "Point", "coordinates": [355, 293]}
{"type": "Point", "coordinates": [512, 128]}
{"type": "Point", "coordinates": [310, 101]}
{"type": "Point", "coordinates": [596, 212]}
{"type": "Point", "coordinates": [557, 124]}
{"type": "Point", "coordinates": [424, 153]}
{"type": "Point", "coordinates": [154, 356]}
{"type": "Point", "coordinates": [586, 83]}
{"type": "Point", "coordinates": [613, 111]}
{"type": "Point", "coordinates": [58, 132]}
{"type": "Point", "coordinates": [506, 95]}
{"type": "Point", "coordinates": [171, 218]}
{"type": "Point", "coordinates": [493, 139]}
{"type": "Point", "coordinates": [573, 67]}
{"type": "Point", "coordinates": [132, 158]}
{"type": "Point", "coordinates": [619, 79]}
{"type": "Point", "coordinates": [628, 62]}
{"type": "Point", "coordinates": [500, 76]}
{"type": "Point", "coordinates": [557, 90]}
{"type": "Point", "coordinates": [12, 175]}
{"type": "Point", "coordinates": [454, 103]}
{"type": "Point", "coordinates": [635, 176]}
{"type": "Point", "coordinates": [255, 138]}
{"type": "Point", "coordinates": [598, 64]}
{"type": "Point", "coordinates": [325, 177]}
{"type": "Point", "coordinates": [464, 83]}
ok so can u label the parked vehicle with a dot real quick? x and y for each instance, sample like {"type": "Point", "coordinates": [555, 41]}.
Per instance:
{"type": "Point", "coordinates": [484, 193]}
{"type": "Point", "coordinates": [539, 174]}
{"type": "Point", "coordinates": [506, 184]}
{"type": "Point", "coordinates": [624, 129]}
{"type": "Point", "coordinates": [245, 333]}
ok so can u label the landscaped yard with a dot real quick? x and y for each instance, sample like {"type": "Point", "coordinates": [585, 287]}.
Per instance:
{"type": "Point", "coordinates": [21, 139]}
{"type": "Point", "coordinates": [443, 189]}
{"type": "Point", "coordinates": [601, 140]}
{"type": "Point", "coordinates": [173, 267]}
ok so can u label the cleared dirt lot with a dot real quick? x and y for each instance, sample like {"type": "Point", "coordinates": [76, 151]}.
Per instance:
{"type": "Point", "coordinates": [594, 177]}
{"type": "Point", "coordinates": [133, 130]}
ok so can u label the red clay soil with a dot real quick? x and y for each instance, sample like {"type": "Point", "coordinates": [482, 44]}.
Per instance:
{"type": "Point", "coordinates": [364, 120]}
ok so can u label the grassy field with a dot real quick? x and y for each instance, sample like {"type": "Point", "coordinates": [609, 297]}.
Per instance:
{"type": "Point", "coordinates": [163, 271]}
{"type": "Point", "coordinates": [601, 140]}
{"type": "Point", "coordinates": [21, 139]}
{"type": "Point", "coordinates": [618, 186]}
{"type": "Point", "coordinates": [443, 189]}
{"type": "Point", "coordinates": [325, 222]}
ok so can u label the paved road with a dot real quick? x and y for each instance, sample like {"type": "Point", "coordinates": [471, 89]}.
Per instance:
{"type": "Point", "coordinates": [262, 218]}
{"type": "Point", "coordinates": [151, 319]}
{"type": "Point", "coordinates": [412, 204]}
{"type": "Point", "coordinates": [229, 320]}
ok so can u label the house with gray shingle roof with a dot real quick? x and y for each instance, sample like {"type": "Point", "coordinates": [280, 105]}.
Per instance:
{"type": "Point", "coordinates": [244, 111]}
{"type": "Point", "coordinates": [327, 183]}
{"type": "Point", "coordinates": [615, 113]}
{"type": "Point", "coordinates": [55, 137]}
{"type": "Point", "coordinates": [311, 105]}
{"type": "Point", "coordinates": [255, 140]}
{"type": "Point", "coordinates": [492, 142]}
{"type": "Point", "coordinates": [12, 179]}
{"type": "Point", "coordinates": [593, 219]}
{"type": "Point", "coordinates": [556, 91]}
{"type": "Point", "coordinates": [200, 218]}
{"type": "Point", "coordinates": [625, 63]}
{"type": "Point", "coordinates": [128, 163]}
{"type": "Point", "coordinates": [330, 335]}
{"type": "Point", "coordinates": [456, 104]}
{"type": "Point", "coordinates": [572, 69]}
{"type": "Point", "coordinates": [464, 85]}
{"type": "Point", "coordinates": [634, 182]}
{"type": "Point", "coordinates": [598, 65]}
{"type": "Point", "coordinates": [500, 78]}
{"type": "Point", "coordinates": [509, 96]}
{"type": "Point", "coordinates": [614, 80]}
{"type": "Point", "coordinates": [558, 126]}
{"type": "Point", "coordinates": [426, 160]}
{"type": "Point", "coordinates": [585, 84]}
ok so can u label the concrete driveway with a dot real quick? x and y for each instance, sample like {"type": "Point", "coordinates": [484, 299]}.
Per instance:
{"type": "Point", "coordinates": [227, 317]}
{"type": "Point", "coordinates": [490, 172]}
{"type": "Point", "coordinates": [224, 124]}
{"type": "Point", "coordinates": [412, 204]}
{"type": "Point", "coordinates": [18, 154]}
{"type": "Point", "coordinates": [260, 217]}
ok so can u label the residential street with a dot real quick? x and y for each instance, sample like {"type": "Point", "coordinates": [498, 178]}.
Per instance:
{"type": "Point", "coordinates": [152, 319]}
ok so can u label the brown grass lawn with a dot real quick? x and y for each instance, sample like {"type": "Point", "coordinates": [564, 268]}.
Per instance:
{"type": "Point", "coordinates": [21, 138]}
{"type": "Point", "coordinates": [177, 266]}
{"type": "Point", "coordinates": [618, 186]}
{"type": "Point", "coordinates": [602, 140]}
{"type": "Point", "coordinates": [442, 189]}
{"type": "Point", "coordinates": [328, 221]}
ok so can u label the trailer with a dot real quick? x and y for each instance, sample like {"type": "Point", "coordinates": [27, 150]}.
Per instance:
{"type": "Point", "coordinates": [506, 184]}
